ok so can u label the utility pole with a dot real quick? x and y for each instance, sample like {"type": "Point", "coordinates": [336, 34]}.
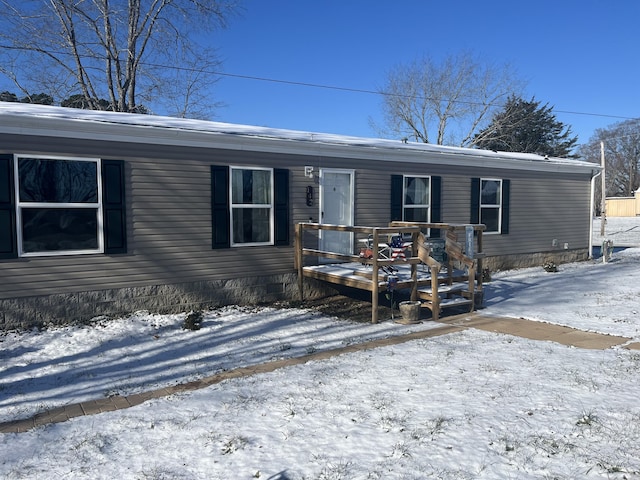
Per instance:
{"type": "Point", "coordinates": [603, 204]}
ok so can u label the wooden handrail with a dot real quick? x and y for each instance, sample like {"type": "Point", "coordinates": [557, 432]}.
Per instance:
{"type": "Point", "coordinates": [420, 254]}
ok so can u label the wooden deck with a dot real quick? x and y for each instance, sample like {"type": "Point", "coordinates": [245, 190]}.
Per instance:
{"type": "Point", "coordinates": [439, 285]}
{"type": "Point", "coordinates": [360, 276]}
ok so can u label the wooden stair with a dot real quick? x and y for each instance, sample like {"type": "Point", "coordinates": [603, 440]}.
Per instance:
{"type": "Point", "coordinates": [443, 291]}
{"type": "Point", "coordinates": [448, 296]}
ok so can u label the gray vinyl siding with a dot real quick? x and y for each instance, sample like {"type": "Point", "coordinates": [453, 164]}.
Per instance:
{"type": "Point", "coordinates": [456, 198]}
{"type": "Point", "coordinates": [168, 191]}
{"type": "Point", "coordinates": [543, 207]}
{"type": "Point", "coordinates": [373, 197]}
{"type": "Point", "coordinates": [168, 195]}
{"type": "Point", "coordinates": [544, 210]}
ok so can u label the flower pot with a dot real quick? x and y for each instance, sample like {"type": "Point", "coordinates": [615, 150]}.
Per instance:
{"type": "Point", "coordinates": [410, 312]}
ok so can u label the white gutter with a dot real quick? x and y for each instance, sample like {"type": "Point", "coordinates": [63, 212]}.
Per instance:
{"type": "Point", "coordinates": [591, 212]}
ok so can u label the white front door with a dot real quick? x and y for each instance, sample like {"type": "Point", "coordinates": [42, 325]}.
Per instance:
{"type": "Point", "coordinates": [336, 208]}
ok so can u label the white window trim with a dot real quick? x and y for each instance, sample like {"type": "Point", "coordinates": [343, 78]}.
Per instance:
{"type": "Point", "coordinates": [498, 206]}
{"type": "Point", "coordinates": [93, 206]}
{"type": "Point", "coordinates": [270, 206]}
{"type": "Point", "coordinates": [427, 206]}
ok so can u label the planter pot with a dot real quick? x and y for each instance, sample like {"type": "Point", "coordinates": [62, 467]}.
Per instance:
{"type": "Point", "coordinates": [410, 312]}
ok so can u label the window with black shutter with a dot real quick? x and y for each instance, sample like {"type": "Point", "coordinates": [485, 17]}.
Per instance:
{"type": "Point", "coordinates": [249, 206]}
{"type": "Point", "coordinates": [8, 241]}
{"type": "Point", "coordinates": [416, 198]}
{"type": "Point", "coordinates": [61, 206]}
{"type": "Point", "coordinates": [490, 204]}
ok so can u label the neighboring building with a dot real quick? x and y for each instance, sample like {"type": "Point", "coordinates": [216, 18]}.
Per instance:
{"type": "Point", "coordinates": [108, 213]}
{"type": "Point", "coordinates": [623, 206]}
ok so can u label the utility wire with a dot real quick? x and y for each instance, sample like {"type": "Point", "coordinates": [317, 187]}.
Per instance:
{"type": "Point", "coordinates": [331, 87]}
{"type": "Point", "coordinates": [361, 90]}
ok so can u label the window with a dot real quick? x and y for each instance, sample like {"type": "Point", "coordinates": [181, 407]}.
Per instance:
{"type": "Point", "coordinates": [416, 199]}
{"type": "Point", "coordinates": [59, 206]}
{"type": "Point", "coordinates": [490, 204]}
{"type": "Point", "coordinates": [251, 206]}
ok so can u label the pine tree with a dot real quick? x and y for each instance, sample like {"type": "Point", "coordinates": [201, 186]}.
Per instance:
{"type": "Point", "coordinates": [39, 98]}
{"type": "Point", "coordinates": [8, 97]}
{"type": "Point", "coordinates": [526, 126]}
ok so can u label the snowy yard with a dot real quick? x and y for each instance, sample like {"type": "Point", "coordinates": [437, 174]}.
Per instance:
{"type": "Point", "coordinates": [466, 405]}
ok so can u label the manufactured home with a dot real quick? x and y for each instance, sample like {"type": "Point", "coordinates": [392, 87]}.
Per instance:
{"type": "Point", "coordinates": [105, 213]}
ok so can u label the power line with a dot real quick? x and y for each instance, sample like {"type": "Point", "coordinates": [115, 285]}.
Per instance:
{"type": "Point", "coordinates": [333, 87]}
{"type": "Point", "coordinates": [361, 90]}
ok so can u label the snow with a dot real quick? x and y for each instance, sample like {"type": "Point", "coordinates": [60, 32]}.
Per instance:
{"type": "Point", "coordinates": [12, 113]}
{"type": "Point", "coordinates": [466, 405]}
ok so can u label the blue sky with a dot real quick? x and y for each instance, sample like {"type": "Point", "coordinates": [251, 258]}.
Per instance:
{"type": "Point", "coordinates": [577, 55]}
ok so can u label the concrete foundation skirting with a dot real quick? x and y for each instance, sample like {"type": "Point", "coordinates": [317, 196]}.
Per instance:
{"type": "Point", "coordinates": [80, 307]}
{"type": "Point", "coordinates": [525, 260]}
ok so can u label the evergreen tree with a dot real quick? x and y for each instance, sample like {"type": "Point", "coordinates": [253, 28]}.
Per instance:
{"type": "Point", "coordinates": [39, 98]}
{"type": "Point", "coordinates": [79, 101]}
{"type": "Point", "coordinates": [526, 126]}
{"type": "Point", "coordinates": [8, 97]}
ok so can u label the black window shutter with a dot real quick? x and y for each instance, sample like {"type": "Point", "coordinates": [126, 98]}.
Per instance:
{"type": "Point", "coordinates": [396, 197]}
{"type": "Point", "coordinates": [506, 187]}
{"type": "Point", "coordinates": [436, 204]}
{"type": "Point", "coordinates": [8, 242]}
{"type": "Point", "coordinates": [220, 214]}
{"type": "Point", "coordinates": [114, 207]}
{"type": "Point", "coordinates": [475, 201]}
{"type": "Point", "coordinates": [281, 204]}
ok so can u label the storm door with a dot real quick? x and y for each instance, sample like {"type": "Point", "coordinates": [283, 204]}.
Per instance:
{"type": "Point", "coordinates": [337, 208]}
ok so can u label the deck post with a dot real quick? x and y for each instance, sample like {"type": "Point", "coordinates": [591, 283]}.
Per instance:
{"type": "Point", "coordinates": [374, 278]}
{"type": "Point", "coordinates": [298, 259]}
{"type": "Point", "coordinates": [479, 271]}
{"type": "Point", "coordinates": [435, 311]}
{"type": "Point", "coordinates": [414, 267]}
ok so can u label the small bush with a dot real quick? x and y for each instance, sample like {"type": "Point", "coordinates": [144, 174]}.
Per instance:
{"type": "Point", "coordinates": [192, 321]}
{"type": "Point", "coordinates": [486, 275]}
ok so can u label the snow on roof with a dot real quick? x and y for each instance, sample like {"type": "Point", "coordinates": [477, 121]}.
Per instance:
{"type": "Point", "coordinates": [44, 120]}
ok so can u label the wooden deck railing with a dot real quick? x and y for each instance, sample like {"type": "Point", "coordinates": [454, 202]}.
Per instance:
{"type": "Point", "coordinates": [380, 235]}
{"type": "Point", "coordinates": [454, 246]}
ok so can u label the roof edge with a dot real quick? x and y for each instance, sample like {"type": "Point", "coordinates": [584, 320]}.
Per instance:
{"type": "Point", "coordinates": [49, 121]}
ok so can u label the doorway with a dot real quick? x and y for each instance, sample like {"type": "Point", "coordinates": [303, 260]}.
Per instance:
{"type": "Point", "coordinates": [336, 208]}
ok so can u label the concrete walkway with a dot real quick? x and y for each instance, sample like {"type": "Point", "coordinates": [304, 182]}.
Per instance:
{"type": "Point", "coordinates": [510, 326]}
{"type": "Point", "coordinates": [533, 330]}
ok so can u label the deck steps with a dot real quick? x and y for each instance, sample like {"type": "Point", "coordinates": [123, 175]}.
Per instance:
{"type": "Point", "coordinates": [448, 296]}
{"type": "Point", "coordinates": [445, 289]}
{"type": "Point", "coordinates": [456, 295]}
{"type": "Point", "coordinates": [456, 301]}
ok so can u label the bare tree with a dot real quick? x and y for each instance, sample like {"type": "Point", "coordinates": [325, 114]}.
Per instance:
{"type": "Point", "coordinates": [122, 51]}
{"type": "Point", "coordinates": [445, 102]}
{"type": "Point", "coordinates": [622, 156]}
{"type": "Point", "coordinates": [189, 93]}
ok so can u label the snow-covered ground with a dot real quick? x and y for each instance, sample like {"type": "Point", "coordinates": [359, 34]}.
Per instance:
{"type": "Point", "coordinates": [461, 406]}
